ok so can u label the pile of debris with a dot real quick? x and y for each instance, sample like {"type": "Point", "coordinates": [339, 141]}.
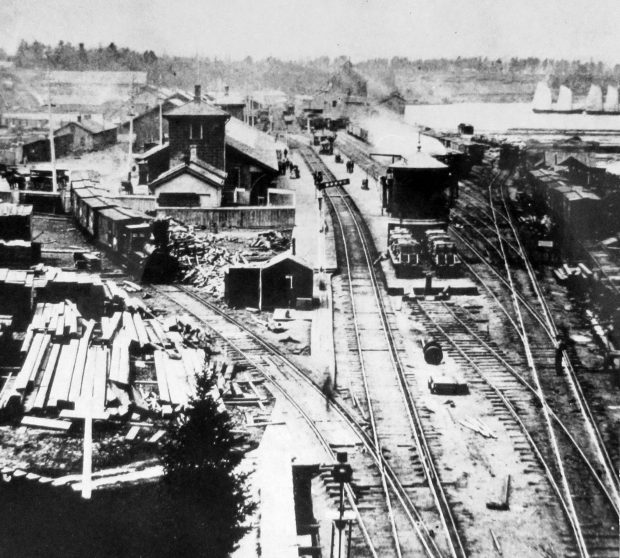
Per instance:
{"type": "Point", "coordinates": [204, 256]}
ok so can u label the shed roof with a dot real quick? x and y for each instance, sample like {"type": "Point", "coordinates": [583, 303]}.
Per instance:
{"type": "Point", "coordinates": [15, 210]}
{"type": "Point", "coordinates": [90, 126]}
{"type": "Point", "coordinates": [97, 203]}
{"type": "Point", "coordinates": [420, 160]}
{"type": "Point", "coordinates": [114, 214]}
{"type": "Point", "coordinates": [286, 256]}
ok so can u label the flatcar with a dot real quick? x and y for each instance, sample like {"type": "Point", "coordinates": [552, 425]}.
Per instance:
{"type": "Point", "coordinates": [405, 252]}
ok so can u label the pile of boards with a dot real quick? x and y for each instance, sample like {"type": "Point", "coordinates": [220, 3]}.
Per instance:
{"type": "Point", "coordinates": [75, 367]}
{"type": "Point", "coordinates": [204, 257]}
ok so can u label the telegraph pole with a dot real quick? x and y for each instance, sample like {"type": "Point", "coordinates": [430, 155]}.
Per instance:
{"type": "Point", "coordinates": [51, 133]}
{"type": "Point", "coordinates": [161, 124]}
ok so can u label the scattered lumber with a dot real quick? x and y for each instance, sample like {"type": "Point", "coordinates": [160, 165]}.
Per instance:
{"type": "Point", "coordinates": [503, 502]}
{"type": "Point", "coordinates": [47, 423]}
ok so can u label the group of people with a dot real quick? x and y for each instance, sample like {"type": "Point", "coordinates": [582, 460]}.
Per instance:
{"type": "Point", "coordinates": [285, 164]}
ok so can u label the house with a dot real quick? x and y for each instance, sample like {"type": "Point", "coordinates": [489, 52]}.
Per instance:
{"type": "Point", "coordinates": [232, 103]}
{"type": "Point", "coordinates": [251, 163]}
{"type": "Point", "coordinates": [146, 125]}
{"type": "Point", "coordinates": [89, 135]}
{"type": "Point", "coordinates": [200, 126]}
{"type": "Point", "coordinates": [190, 183]}
{"type": "Point", "coordinates": [38, 150]}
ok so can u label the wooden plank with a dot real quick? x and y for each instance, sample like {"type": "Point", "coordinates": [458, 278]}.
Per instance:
{"type": "Point", "coordinates": [113, 324]}
{"type": "Point", "coordinates": [161, 359]}
{"type": "Point", "coordinates": [60, 327]}
{"type": "Point", "coordinates": [51, 424]}
{"type": "Point", "coordinates": [48, 375]}
{"type": "Point", "coordinates": [79, 363]}
{"type": "Point", "coordinates": [86, 384]}
{"type": "Point", "coordinates": [133, 432]}
{"type": "Point", "coordinates": [143, 338]}
{"type": "Point", "coordinates": [156, 437]}
{"type": "Point", "coordinates": [100, 381]}
{"type": "Point", "coordinates": [64, 371]}
{"type": "Point", "coordinates": [23, 376]}
{"type": "Point", "coordinates": [27, 340]}
{"type": "Point", "coordinates": [159, 330]}
{"type": "Point", "coordinates": [119, 367]}
{"type": "Point", "coordinates": [177, 384]}
{"type": "Point", "coordinates": [129, 327]}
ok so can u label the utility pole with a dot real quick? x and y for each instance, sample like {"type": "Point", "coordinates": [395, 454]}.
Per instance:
{"type": "Point", "coordinates": [51, 133]}
{"type": "Point", "coordinates": [161, 124]}
{"type": "Point", "coordinates": [130, 142]}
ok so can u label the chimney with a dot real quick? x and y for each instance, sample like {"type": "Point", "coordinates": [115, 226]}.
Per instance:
{"type": "Point", "coordinates": [226, 90]}
{"type": "Point", "coordinates": [79, 118]}
{"type": "Point", "coordinates": [293, 246]}
{"type": "Point", "coordinates": [197, 94]}
{"type": "Point", "coordinates": [193, 152]}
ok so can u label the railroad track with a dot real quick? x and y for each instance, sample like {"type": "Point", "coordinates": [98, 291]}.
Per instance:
{"type": "Point", "coordinates": [337, 430]}
{"type": "Point", "coordinates": [538, 332]}
{"type": "Point", "coordinates": [385, 399]}
{"type": "Point", "coordinates": [595, 540]}
{"type": "Point", "coordinates": [491, 371]}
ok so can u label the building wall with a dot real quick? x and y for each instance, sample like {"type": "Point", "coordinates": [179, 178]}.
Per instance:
{"type": "Point", "coordinates": [82, 139]}
{"type": "Point", "coordinates": [210, 196]}
{"type": "Point", "coordinates": [283, 283]}
{"type": "Point", "coordinates": [247, 217]}
{"type": "Point", "coordinates": [210, 148]}
{"type": "Point", "coordinates": [105, 138]}
{"type": "Point", "coordinates": [234, 110]}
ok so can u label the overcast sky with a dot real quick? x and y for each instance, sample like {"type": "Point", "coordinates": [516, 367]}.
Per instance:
{"type": "Point", "coordinates": [583, 29]}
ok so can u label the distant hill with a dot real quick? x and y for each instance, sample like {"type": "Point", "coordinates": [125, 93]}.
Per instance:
{"type": "Point", "coordinates": [422, 81]}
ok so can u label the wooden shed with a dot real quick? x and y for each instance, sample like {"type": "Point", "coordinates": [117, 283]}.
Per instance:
{"type": "Point", "coordinates": [285, 279]}
{"type": "Point", "coordinates": [242, 286]}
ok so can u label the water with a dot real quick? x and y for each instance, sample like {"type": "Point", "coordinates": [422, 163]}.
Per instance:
{"type": "Point", "coordinates": [500, 117]}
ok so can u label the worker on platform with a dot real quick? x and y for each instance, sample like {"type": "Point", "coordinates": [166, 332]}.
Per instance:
{"type": "Point", "coordinates": [559, 355]}
{"type": "Point", "coordinates": [328, 389]}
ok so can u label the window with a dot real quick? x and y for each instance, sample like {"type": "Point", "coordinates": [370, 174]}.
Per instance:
{"type": "Point", "coordinates": [195, 131]}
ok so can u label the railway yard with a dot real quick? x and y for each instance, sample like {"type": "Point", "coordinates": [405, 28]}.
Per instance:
{"type": "Point", "coordinates": [409, 376]}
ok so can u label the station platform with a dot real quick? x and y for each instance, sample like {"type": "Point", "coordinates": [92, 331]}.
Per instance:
{"type": "Point", "coordinates": [313, 231]}
{"type": "Point", "coordinates": [369, 203]}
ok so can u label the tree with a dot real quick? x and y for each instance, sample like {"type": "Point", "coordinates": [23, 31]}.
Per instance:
{"type": "Point", "coordinates": [208, 496]}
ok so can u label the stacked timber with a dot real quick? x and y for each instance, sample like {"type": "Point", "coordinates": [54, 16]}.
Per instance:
{"type": "Point", "coordinates": [204, 257]}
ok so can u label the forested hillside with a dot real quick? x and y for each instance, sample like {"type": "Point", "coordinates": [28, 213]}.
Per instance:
{"type": "Point", "coordinates": [423, 81]}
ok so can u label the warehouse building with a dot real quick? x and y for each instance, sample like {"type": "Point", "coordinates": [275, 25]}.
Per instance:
{"type": "Point", "coordinates": [88, 135]}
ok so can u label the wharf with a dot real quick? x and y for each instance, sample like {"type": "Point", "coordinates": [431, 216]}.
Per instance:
{"type": "Point", "coordinates": [314, 240]}
{"type": "Point", "coordinates": [369, 203]}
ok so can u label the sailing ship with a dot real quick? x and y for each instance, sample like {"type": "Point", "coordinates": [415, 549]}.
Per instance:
{"type": "Point", "coordinates": [564, 104]}
{"type": "Point", "coordinates": [542, 102]}
{"type": "Point", "coordinates": [595, 104]}
{"type": "Point", "coordinates": [611, 105]}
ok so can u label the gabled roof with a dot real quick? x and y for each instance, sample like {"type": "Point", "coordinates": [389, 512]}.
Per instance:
{"type": "Point", "coordinates": [89, 125]}
{"type": "Point", "coordinates": [197, 168]}
{"type": "Point", "coordinates": [420, 160]}
{"type": "Point", "coordinates": [151, 152]}
{"type": "Point", "coordinates": [196, 109]}
{"type": "Point", "coordinates": [257, 145]}
{"type": "Point", "coordinates": [286, 256]}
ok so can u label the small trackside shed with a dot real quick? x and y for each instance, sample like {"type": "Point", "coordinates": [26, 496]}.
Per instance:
{"type": "Point", "coordinates": [242, 286]}
{"type": "Point", "coordinates": [15, 221]}
{"type": "Point", "coordinates": [284, 279]}
{"type": "Point", "coordinates": [278, 283]}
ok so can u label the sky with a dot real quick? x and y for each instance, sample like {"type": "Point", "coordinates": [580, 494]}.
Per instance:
{"type": "Point", "coordinates": [297, 29]}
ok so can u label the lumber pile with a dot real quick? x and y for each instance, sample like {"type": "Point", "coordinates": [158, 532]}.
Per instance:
{"type": "Point", "coordinates": [204, 257]}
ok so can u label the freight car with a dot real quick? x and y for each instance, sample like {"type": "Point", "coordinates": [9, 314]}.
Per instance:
{"type": "Point", "coordinates": [121, 231]}
{"type": "Point", "coordinates": [357, 132]}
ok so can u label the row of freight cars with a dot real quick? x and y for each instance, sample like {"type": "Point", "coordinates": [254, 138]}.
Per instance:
{"type": "Point", "coordinates": [357, 132]}
{"type": "Point", "coordinates": [122, 231]}
{"type": "Point", "coordinates": [413, 256]}
{"type": "Point", "coordinates": [577, 210]}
